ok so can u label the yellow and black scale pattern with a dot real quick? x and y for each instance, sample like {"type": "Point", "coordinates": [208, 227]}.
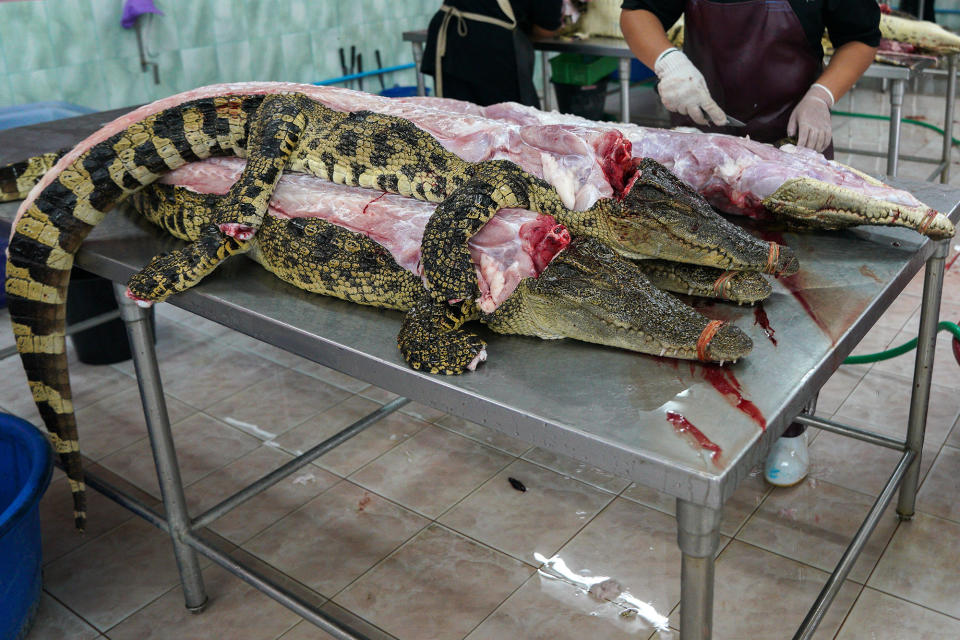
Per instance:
{"type": "Point", "coordinates": [275, 132]}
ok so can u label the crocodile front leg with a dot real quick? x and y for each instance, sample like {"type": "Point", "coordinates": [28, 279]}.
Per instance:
{"type": "Point", "coordinates": [431, 338]}
{"type": "Point", "coordinates": [743, 287]}
{"type": "Point", "coordinates": [493, 185]}
{"type": "Point", "coordinates": [275, 132]}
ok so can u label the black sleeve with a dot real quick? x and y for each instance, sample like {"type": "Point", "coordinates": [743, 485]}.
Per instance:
{"type": "Point", "coordinates": [852, 21]}
{"type": "Point", "coordinates": [546, 13]}
{"type": "Point", "coordinates": [668, 11]}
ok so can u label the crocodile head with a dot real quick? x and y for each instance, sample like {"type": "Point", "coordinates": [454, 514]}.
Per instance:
{"type": "Point", "coordinates": [661, 217]}
{"type": "Point", "coordinates": [590, 293]}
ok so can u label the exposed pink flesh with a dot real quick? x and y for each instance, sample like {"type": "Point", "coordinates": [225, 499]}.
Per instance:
{"type": "Point", "coordinates": [735, 174]}
{"type": "Point", "coordinates": [515, 244]}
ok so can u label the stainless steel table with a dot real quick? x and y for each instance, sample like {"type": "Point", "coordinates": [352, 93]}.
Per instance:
{"type": "Point", "coordinates": [606, 407]}
{"type": "Point", "coordinates": [898, 76]}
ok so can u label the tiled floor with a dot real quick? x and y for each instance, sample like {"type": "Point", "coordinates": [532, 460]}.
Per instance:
{"type": "Point", "coordinates": [413, 527]}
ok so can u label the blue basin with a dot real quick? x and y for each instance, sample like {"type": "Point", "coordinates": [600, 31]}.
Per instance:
{"type": "Point", "coordinates": [26, 465]}
{"type": "Point", "coordinates": [23, 114]}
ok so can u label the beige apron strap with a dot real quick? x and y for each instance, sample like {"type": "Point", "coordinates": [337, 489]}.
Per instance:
{"type": "Point", "coordinates": [462, 17]}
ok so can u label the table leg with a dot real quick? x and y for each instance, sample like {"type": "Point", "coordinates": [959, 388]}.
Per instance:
{"type": "Point", "coordinates": [418, 61]}
{"type": "Point", "coordinates": [922, 371]}
{"type": "Point", "coordinates": [698, 534]}
{"type": "Point", "coordinates": [948, 117]}
{"type": "Point", "coordinates": [897, 89]}
{"type": "Point", "coordinates": [545, 75]}
{"type": "Point", "coordinates": [625, 89]}
{"type": "Point", "coordinates": [161, 440]}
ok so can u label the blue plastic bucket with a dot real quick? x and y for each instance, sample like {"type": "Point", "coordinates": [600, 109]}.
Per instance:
{"type": "Point", "coordinates": [26, 464]}
{"type": "Point", "coordinates": [36, 112]}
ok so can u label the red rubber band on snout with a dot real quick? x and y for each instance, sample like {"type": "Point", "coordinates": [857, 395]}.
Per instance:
{"type": "Point", "coordinates": [706, 336]}
{"type": "Point", "coordinates": [773, 257]}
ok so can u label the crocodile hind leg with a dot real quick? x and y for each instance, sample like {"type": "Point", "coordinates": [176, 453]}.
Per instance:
{"type": "Point", "coordinates": [493, 185]}
{"type": "Point", "coordinates": [431, 339]}
{"type": "Point", "coordinates": [275, 132]}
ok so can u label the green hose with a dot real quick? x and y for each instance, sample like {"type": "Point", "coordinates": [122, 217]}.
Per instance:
{"type": "Point", "coordinates": [907, 346]}
{"type": "Point", "coordinates": [873, 116]}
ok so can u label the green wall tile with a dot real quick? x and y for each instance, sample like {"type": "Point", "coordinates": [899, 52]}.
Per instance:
{"type": "Point", "coordinates": [326, 59]}
{"type": "Point", "coordinates": [312, 15]}
{"type": "Point", "coordinates": [171, 76]}
{"type": "Point", "coordinates": [230, 20]}
{"type": "Point", "coordinates": [266, 63]}
{"type": "Point", "coordinates": [6, 95]}
{"type": "Point", "coordinates": [84, 84]}
{"type": "Point", "coordinates": [196, 23]}
{"type": "Point", "coordinates": [73, 32]}
{"type": "Point", "coordinates": [298, 58]}
{"type": "Point", "coordinates": [125, 82]}
{"type": "Point", "coordinates": [200, 66]}
{"type": "Point", "coordinates": [25, 36]}
{"type": "Point", "coordinates": [35, 86]}
{"type": "Point", "coordinates": [267, 17]}
{"type": "Point", "coordinates": [233, 62]}
{"type": "Point", "coordinates": [114, 41]}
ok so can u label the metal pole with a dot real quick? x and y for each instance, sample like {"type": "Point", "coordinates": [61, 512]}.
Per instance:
{"type": "Point", "coordinates": [830, 589]}
{"type": "Point", "coordinates": [417, 60]}
{"type": "Point", "coordinates": [852, 432]}
{"type": "Point", "coordinates": [625, 89]}
{"type": "Point", "coordinates": [948, 117]}
{"type": "Point", "coordinates": [698, 534]}
{"type": "Point", "coordinates": [545, 75]}
{"type": "Point", "coordinates": [896, 114]}
{"type": "Point", "coordinates": [922, 371]}
{"type": "Point", "coordinates": [300, 461]}
{"type": "Point", "coordinates": [335, 628]}
{"type": "Point", "coordinates": [164, 453]}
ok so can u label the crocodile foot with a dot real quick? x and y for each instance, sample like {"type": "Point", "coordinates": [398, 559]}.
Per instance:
{"type": "Point", "coordinates": [178, 270]}
{"type": "Point", "coordinates": [431, 339]}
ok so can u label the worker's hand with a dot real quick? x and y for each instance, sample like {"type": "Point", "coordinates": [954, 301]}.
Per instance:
{"type": "Point", "coordinates": [810, 120]}
{"type": "Point", "coordinates": [683, 89]}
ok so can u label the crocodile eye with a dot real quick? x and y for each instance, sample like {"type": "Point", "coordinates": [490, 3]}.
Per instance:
{"type": "Point", "coordinates": [311, 229]}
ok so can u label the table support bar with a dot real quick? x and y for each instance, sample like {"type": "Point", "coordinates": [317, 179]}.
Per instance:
{"type": "Point", "coordinates": [835, 581]}
{"type": "Point", "coordinates": [334, 627]}
{"type": "Point", "coordinates": [137, 322]}
{"type": "Point", "coordinates": [897, 89]}
{"type": "Point", "coordinates": [948, 117]}
{"type": "Point", "coordinates": [922, 372]}
{"type": "Point", "coordinates": [851, 432]}
{"type": "Point", "coordinates": [299, 462]}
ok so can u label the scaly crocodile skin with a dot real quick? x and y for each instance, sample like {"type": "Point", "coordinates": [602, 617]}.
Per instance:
{"type": "Point", "coordinates": [275, 132]}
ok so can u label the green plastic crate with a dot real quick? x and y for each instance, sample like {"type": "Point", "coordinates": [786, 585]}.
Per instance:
{"type": "Point", "coordinates": [581, 69]}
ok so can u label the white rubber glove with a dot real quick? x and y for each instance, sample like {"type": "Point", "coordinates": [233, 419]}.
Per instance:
{"type": "Point", "coordinates": [810, 120]}
{"type": "Point", "coordinates": [683, 89]}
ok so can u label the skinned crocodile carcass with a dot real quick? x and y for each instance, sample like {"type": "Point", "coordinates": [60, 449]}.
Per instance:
{"type": "Point", "coordinates": [277, 127]}
{"type": "Point", "coordinates": [742, 176]}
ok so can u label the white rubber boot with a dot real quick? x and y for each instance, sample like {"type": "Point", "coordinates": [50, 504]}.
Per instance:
{"type": "Point", "coordinates": [788, 461]}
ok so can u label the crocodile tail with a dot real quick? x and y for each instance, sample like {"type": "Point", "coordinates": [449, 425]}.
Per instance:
{"type": "Point", "coordinates": [18, 178]}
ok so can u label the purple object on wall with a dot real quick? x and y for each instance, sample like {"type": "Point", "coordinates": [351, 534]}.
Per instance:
{"type": "Point", "coordinates": [133, 9]}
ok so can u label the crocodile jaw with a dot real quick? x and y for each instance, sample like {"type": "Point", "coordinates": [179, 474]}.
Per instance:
{"type": "Point", "coordinates": [828, 206]}
{"type": "Point", "coordinates": [590, 293]}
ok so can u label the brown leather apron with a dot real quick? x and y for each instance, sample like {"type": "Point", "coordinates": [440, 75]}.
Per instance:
{"type": "Point", "coordinates": [756, 60]}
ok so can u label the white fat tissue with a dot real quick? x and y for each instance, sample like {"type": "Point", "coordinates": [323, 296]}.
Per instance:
{"type": "Point", "coordinates": [603, 588]}
{"type": "Point", "coordinates": [500, 254]}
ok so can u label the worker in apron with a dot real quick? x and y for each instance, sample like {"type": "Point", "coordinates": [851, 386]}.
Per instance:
{"type": "Point", "coordinates": [480, 50]}
{"type": "Point", "coordinates": [761, 62]}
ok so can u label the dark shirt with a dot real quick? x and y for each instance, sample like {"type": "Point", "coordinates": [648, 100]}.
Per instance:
{"type": "Point", "coordinates": [845, 20]}
{"type": "Point", "coordinates": [487, 55]}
